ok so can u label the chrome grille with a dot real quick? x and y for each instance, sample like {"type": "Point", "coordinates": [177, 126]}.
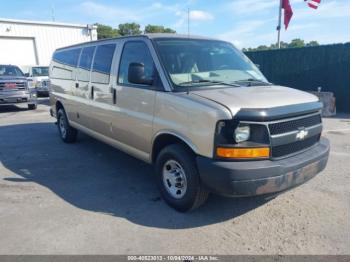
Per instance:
{"type": "Point", "coordinates": [45, 83]}
{"type": "Point", "coordinates": [19, 86]}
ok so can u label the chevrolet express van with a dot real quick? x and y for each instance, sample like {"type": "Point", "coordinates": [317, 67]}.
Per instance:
{"type": "Point", "coordinates": [197, 109]}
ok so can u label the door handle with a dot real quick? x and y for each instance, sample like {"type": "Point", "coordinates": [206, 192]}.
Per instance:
{"type": "Point", "coordinates": [114, 96]}
{"type": "Point", "coordinates": [92, 92]}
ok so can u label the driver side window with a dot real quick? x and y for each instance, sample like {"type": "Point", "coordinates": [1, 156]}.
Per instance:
{"type": "Point", "coordinates": [135, 52]}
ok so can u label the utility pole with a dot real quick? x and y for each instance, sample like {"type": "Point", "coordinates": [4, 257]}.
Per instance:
{"type": "Point", "coordinates": [279, 25]}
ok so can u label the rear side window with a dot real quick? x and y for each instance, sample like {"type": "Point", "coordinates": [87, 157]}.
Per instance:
{"type": "Point", "coordinates": [67, 57]}
{"type": "Point", "coordinates": [101, 67]}
{"type": "Point", "coordinates": [85, 63]}
{"type": "Point", "coordinates": [135, 52]}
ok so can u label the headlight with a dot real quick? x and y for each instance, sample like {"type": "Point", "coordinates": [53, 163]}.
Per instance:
{"type": "Point", "coordinates": [242, 133]}
{"type": "Point", "coordinates": [38, 84]}
{"type": "Point", "coordinates": [31, 84]}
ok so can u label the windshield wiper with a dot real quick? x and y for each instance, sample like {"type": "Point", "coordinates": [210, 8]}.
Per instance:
{"type": "Point", "coordinates": [251, 81]}
{"type": "Point", "coordinates": [198, 81]}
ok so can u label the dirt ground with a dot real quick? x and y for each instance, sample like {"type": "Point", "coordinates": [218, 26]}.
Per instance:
{"type": "Point", "coordinates": [89, 198]}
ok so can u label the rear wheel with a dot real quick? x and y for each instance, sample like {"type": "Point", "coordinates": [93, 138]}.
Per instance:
{"type": "Point", "coordinates": [32, 106]}
{"type": "Point", "coordinates": [67, 133]}
{"type": "Point", "coordinates": [178, 178]}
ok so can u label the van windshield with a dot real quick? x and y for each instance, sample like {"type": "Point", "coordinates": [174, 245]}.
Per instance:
{"type": "Point", "coordinates": [40, 71]}
{"type": "Point", "coordinates": [202, 63]}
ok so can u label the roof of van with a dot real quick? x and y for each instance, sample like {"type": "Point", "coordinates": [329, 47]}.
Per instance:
{"type": "Point", "coordinates": [149, 36]}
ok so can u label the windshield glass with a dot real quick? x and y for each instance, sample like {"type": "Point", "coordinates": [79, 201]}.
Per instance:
{"type": "Point", "coordinates": [200, 63]}
{"type": "Point", "coordinates": [40, 71]}
{"type": "Point", "coordinates": [7, 70]}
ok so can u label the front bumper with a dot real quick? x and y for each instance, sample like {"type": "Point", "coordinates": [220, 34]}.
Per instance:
{"type": "Point", "coordinates": [249, 178]}
{"type": "Point", "coordinates": [17, 97]}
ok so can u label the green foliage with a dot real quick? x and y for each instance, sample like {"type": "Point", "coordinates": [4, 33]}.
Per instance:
{"type": "Point", "coordinates": [295, 43]}
{"type": "Point", "coordinates": [105, 31]}
{"type": "Point", "coordinates": [158, 29]}
{"type": "Point", "coordinates": [312, 43]}
{"type": "Point", "coordinates": [129, 29]}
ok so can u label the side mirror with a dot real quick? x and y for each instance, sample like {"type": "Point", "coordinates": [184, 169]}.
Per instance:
{"type": "Point", "coordinates": [136, 74]}
{"type": "Point", "coordinates": [26, 74]}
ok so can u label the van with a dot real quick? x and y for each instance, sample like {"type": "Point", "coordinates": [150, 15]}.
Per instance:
{"type": "Point", "coordinates": [196, 108]}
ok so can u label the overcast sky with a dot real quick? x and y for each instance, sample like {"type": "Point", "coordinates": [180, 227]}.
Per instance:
{"type": "Point", "coordinates": [246, 23]}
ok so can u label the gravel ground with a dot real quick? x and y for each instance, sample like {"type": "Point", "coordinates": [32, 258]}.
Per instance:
{"type": "Point", "coordinates": [88, 198]}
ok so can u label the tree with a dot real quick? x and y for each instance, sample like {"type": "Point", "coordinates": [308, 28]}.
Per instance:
{"type": "Point", "coordinates": [106, 31]}
{"type": "Point", "coordinates": [296, 43]}
{"type": "Point", "coordinates": [158, 29]}
{"type": "Point", "coordinates": [129, 29]}
{"type": "Point", "coordinates": [312, 43]}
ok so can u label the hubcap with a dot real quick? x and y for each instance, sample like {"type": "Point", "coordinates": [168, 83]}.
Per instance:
{"type": "Point", "coordinates": [174, 179]}
{"type": "Point", "coordinates": [62, 127]}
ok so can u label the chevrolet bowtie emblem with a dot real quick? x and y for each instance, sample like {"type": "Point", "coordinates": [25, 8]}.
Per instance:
{"type": "Point", "coordinates": [302, 134]}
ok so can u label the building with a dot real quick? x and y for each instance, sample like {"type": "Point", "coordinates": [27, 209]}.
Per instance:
{"type": "Point", "coordinates": [33, 43]}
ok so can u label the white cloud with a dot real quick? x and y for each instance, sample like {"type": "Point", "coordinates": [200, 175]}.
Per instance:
{"type": "Point", "coordinates": [198, 15]}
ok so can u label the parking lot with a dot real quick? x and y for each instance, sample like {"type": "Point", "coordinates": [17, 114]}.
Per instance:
{"type": "Point", "coordinates": [89, 198]}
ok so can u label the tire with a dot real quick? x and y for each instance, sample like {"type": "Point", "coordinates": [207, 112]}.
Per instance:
{"type": "Point", "coordinates": [67, 133]}
{"type": "Point", "coordinates": [178, 178]}
{"type": "Point", "coordinates": [32, 106]}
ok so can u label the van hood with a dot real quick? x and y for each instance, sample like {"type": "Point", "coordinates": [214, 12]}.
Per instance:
{"type": "Point", "coordinates": [256, 97]}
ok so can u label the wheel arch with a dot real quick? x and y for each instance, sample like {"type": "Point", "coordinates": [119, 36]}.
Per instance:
{"type": "Point", "coordinates": [165, 138]}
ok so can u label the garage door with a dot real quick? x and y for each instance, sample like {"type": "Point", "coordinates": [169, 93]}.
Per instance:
{"type": "Point", "coordinates": [17, 51]}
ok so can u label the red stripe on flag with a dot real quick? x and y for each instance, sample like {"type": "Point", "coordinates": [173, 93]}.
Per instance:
{"type": "Point", "coordinates": [288, 12]}
{"type": "Point", "coordinates": [314, 3]}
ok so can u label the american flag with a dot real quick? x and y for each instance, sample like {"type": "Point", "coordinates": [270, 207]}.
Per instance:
{"type": "Point", "coordinates": [313, 3]}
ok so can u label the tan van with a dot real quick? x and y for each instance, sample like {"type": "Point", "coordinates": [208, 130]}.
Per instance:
{"type": "Point", "coordinates": [196, 108]}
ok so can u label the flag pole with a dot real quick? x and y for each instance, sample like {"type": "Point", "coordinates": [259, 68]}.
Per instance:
{"type": "Point", "coordinates": [279, 25]}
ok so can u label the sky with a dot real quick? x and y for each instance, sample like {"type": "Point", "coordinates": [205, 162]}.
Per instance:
{"type": "Point", "coordinates": [246, 23]}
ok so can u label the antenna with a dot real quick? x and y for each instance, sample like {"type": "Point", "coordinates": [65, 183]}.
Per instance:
{"type": "Point", "coordinates": [52, 12]}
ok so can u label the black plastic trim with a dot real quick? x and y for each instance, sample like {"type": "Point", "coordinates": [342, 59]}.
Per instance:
{"type": "Point", "coordinates": [277, 113]}
{"type": "Point", "coordinates": [266, 176]}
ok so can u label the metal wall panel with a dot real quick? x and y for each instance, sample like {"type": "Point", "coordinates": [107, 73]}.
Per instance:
{"type": "Point", "coordinates": [47, 37]}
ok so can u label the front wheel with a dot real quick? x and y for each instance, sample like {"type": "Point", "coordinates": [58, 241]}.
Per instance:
{"type": "Point", "coordinates": [178, 178]}
{"type": "Point", "coordinates": [67, 133]}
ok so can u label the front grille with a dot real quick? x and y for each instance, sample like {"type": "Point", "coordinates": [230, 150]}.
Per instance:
{"type": "Point", "coordinates": [292, 125]}
{"type": "Point", "coordinates": [19, 86]}
{"type": "Point", "coordinates": [287, 149]}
